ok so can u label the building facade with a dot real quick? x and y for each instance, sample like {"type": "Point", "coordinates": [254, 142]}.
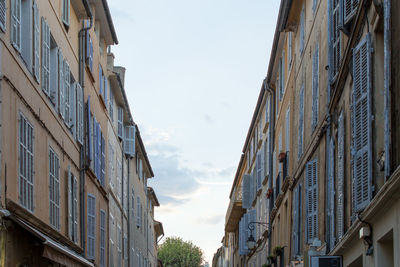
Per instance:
{"type": "Point", "coordinates": [72, 158]}
{"type": "Point", "coordinates": [331, 173]}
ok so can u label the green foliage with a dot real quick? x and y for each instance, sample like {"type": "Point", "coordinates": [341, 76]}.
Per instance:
{"type": "Point", "coordinates": [174, 252]}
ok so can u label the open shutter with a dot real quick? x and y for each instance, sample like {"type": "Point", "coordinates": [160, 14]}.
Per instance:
{"type": "Point", "coordinates": [302, 30]}
{"type": "Point", "coordinates": [295, 226]}
{"type": "Point", "coordinates": [315, 87]}
{"type": "Point", "coordinates": [335, 36]}
{"type": "Point", "coordinates": [101, 80]}
{"type": "Point", "coordinates": [331, 193]}
{"type": "Point", "coordinates": [350, 9]}
{"type": "Point", "coordinates": [75, 209]}
{"type": "Point", "coordinates": [16, 24]}
{"type": "Point", "coordinates": [246, 191]}
{"type": "Point", "coordinates": [120, 122]}
{"type": "Point", "coordinates": [103, 160]}
{"type": "Point", "coordinates": [266, 157]}
{"type": "Point", "coordinates": [79, 113]}
{"type": "Point", "coordinates": [362, 132]}
{"type": "Point", "coordinates": [67, 94]}
{"type": "Point", "coordinates": [138, 211]}
{"type": "Point", "coordinates": [340, 177]}
{"type": "Point", "coordinates": [311, 199]}
{"type": "Point", "coordinates": [73, 110]}
{"type": "Point", "coordinates": [129, 140]}
{"type": "Point", "coordinates": [45, 57]}
{"type": "Point", "coordinates": [61, 83]}
{"type": "Point", "coordinates": [36, 42]}
{"type": "Point", "coordinates": [301, 122]}
{"type": "Point", "coordinates": [89, 131]}
{"type": "Point", "coordinates": [3, 15]}
{"type": "Point", "coordinates": [259, 170]}
{"type": "Point", "coordinates": [66, 12]}
{"type": "Point", "coordinates": [70, 203]}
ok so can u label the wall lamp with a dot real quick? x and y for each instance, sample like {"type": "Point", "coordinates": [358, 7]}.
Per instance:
{"type": "Point", "coordinates": [251, 242]}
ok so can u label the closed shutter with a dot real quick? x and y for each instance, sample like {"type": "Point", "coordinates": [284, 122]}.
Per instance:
{"type": "Point", "coordinates": [129, 140]}
{"type": "Point", "coordinates": [75, 209]}
{"type": "Point", "coordinates": [70, 203]}
{"type": "Point", "coordinates": [61, 83]}
{"type": "Point", "coordinates": [252, 187]}
{"type": "Point", "coordinates": [302, 30]}
{"type": "Point", "coordinates": [262, 163]}
{"type": "Point", "coordinates": [79, 113]}
{"type": "Point", "coordinates": [350, 9]}
{"type": "Point", "coordinates": [335, 43]}
{"type": "Point", "coordinates": [103, 160]}
{"type": "Point", "coordinates": [246, 191]}
{"type": "Point", "coordinates": [301, 122]}
{"type": "Point", "coordinates": [95, 153]}
{"type": "Point", "coordinates": [362, 132]}
{"type": "Point", "coordinates": [99, 135]}
{"type": "Point", "coordinates": [331, 193]}
{"type": "Point", "coordinates": [91, 226]}
{"type": "Point", "coordinates": [312, 199]}
{"type": "Point", "coordinates": [45, 57]}
{"type": "Point", "coordinates": [340, 177]}
{"type": "Point", "coordinates": [36, 42]}
{"type": "Point", "coordinates": [106, 89]}
{"type": "Point", "coordinates": [16, 24]}
{"type": "Point", "coordinates": [3, 15]}
{"type": "Point", "coordinates": [315, 87]}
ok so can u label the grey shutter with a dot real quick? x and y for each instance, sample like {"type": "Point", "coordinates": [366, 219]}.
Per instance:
{"type": "Point", "coordinates": [302, 30]}
{"type": "Point", "coordinates": [362, 132]}
{"type": "Point", "coordinates": [16, 24]}
{"type": "Point", "coordinates": [70, 203]}
{"type": "Point", "coordinates": [45, 57]}
{"type": "Point", "coordinates": [311, 201]}
{"type": "Point", "coordinates": [66, 12]}
{"type": "Point", "coordinates": [259, 169]}
{"type": "Point", "coordinates": [315, 87]}
{"type": "Point", "coordinates": [287, 132]}
{"type": "Point", "coordinates": [335, 43]}
{"type": "Point", "coordinates": [89, 131]}
{"type": "Point", "coordinates": [349, 9]}
{"type": "Point", "coordinates": [331, 193]}
{"type": "Point", "coordinates": [99, 152]}
{"type": "Point", "coordinates": [79, 113]}
{"type": "Point", "coordinates": [301, 122]}
{"type": "Point", "coordinates": [75, 209]}
{"type": "Point", "coordinates": [36, 42]}
{"type": "Point", "coordinates": [102, 238]}
{"type": "Point", "coordinates": [61, 84]}
{"type": "Point", "coordinates": [246, 191]}
{"type": "Point", "coordinates": [252, 188]}
{"type": "Point", "coordinates": [266, 157]}
{"type": "Point", "coordinates": [129, 140]}
{"type": "Point", "coordinates": [67, 94]}
{"type": "Point", "coordinates": [101, 81]}
{"type": "Point", "coordinates": [3, 15]}
{"type": "Point", "coordinates": [103, 160]}
{"type": "Point", "coordinates": [120, 122]}
{"type": "Point", "coordinates": [340, 177]}
{"type": "Point", "coordinates": [138, 212]}
{"type": "Point", "coordinates": [91, 229]}
{"type": "Point", "coordinates": [73, 110]}
{"type": "Point", "coordinates": [262, 163]}
{"type": "Point", "coordinates": [295, 226]}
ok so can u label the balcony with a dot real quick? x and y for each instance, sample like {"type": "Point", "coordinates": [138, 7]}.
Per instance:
{"type": "Point", "coordinates": [235, 211]}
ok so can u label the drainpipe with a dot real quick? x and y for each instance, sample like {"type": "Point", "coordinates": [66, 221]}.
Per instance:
{"type": "Point", "coordinates": [122, 201]}
{"type": "Point", "coordinates": [83, 166]}
{"type": "Point", "coordinates": [269, 89]}
{"type": "Point", "coordinates": [387, 85]}
{"type": "Point", "coordinates": [129, 217]}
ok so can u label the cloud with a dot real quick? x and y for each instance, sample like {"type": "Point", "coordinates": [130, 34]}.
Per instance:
{"type": "Point", "coordinates": [208, 119]}
{"type": "Point", "coordinates": [210, 219]}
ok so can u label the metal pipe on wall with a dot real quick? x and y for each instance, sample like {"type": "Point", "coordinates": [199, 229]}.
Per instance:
{"type": "Point", "coordinates": [387, 85]}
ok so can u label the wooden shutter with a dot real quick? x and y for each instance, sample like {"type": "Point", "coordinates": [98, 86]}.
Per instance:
{"type": "Point", "coordinates": [103, 160]}
{"type": "Point", "coordinates": [301, 122]}
{"type": "Point", "coordinates": [75, 209]}
{"type": "Point", "coordinates": [252, 186]}
{"type": "Point", "coordinates": [67, 94]}
{"type": "Point", "coordinates": [315, 87]}
{"type": "Point", "coordinates": [70, 204]}
{"type": "Point", "coordinates": [66, 12]}
{"type": "Point", "coordinates": [129, 140]}
{"type": "Point", "coordinates": [266, 157]}
{"type": "Point", "coordinates": [362, 132]}
{"type": "Point", "coordinates": [340, 176]}
{"type": "Point", "coordinates": [331, 192]}
{"type": "Point", "coordinates": [349, 9]}
{"type": "Point", "coordinates": [89, 51]}
{"type": "Point", "coordinates": [61, 84]}
{"type": "Point", "coordinates": [246, 191]}
{"type": "Point", "coordinates": [259, 170]}
{"type": "Point", "coordinates": [36, 42]}
{"type": "Point", "coordinates": [3, 17]}
{"type": "Point", "coordinates": [302, 30]}
{"type": "Point", "coordinates": [79, 113]}
{"type": "Point", "coordinates": [99, 152]}
{"type": "Point", "coordinates": [89, 131]}
{"type": "Point", "coordinates": [287, 132]}
{"type": "Point", "coordinates": [335, 42]}
{"type": "Point", "coordinates": [16, 24]}
{"type": "Point", "coordinates": [295, 227]}
{"type": "Point", "coordinates": [138, 212]}
{"type": "Point", "coordinates": [91, 229]}
{"type": "Point", "coordinates": [102, 238]}
{"type": "Point", "coordinates": [120, 122]}
{"type": "Point", "coordinates": [73, 110]}
{"type": "Point", "coordinates": [311, 201]}
{"type": "Point", "coordinates": [45, 57]}
{"type": "Point", "coordinates": [101, 81]}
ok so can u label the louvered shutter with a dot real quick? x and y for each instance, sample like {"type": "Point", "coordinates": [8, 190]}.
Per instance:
{"type": "Point", "coordinates": [45, 57]}
{"type": "Point", "coordinates": [315, 87]}
{"type": "Point", "coordinates": [129, 140]}
{"type": "Point", "coordinates": [252, 188]}
{"type": "Point", "coordinates": [99, 135]}
{"type": "Point", "coordinates": [36, 42]}
{"type": "Point", "coordinates": [295, 222]}
{"type": "Point", "coordinates": [246, 191]}
{"type": "Point", "coordinates": [103, 160]}
{"type": "Point", "coordinates": [106, 90]}
{"type": "Point", "coordinates": [259, 169]}
{"type": "Point", "coordinates": [331, 193]}
{"type": "Point", "coordinates": [89, 131]}
{"type": "Point", "coordinates": [66, 12]}
{"type": "Point", "coordinates": [120, 122]}
{"type": "Point", "coordinates": [302, 33]}
{"type": "Point", "coordinates": [67, 94]}
{"type": "Point", "coordinates": [312, 199]}
{"type": "Point", "coordinates": [79, 113]}
{"type": "Point", "coordinates": [138, 212]}
{"type": "Point", "coordinates": [340, 177]}
{"type": "Point", "coordinates": [336, 39]}
{"type": "Point", "coordinates": [75, 209]}
{"type": "Point", "coordinates": [246, 231]}
{"type": "Point", "coordinates": [3, 15]}
{"type": "Point", "coordinates": [70, 203]}
{"type": "Point", "coordinates": [362, 132]}
{"type": "Point", "coordinates": [91, 233]}
{"type": "Point", "coordinates": [262, 163]}
{"type": "Point", "coordinates": [101, 80]}
{"type": "Point", "coordinates": [102, 238]}
{"type": "Point", "coordinates": [16, 24]}
{"type": "Point", "coordinates": [73, 110]}
{"type": "Point", "coordinates": [287, 133]}
{"type": "Point", "coordinates": [89, 51]}
{"type": "Point", "coordinates": [301, 122]}
{"type": "Point", "coordinates": [61, 84]}
{"type": "Point", "coordinates": [54, 85]}
{"type": "Point", "coordinates": [266, 157]}
{"type": "Point", "coordinates": [349, 9]}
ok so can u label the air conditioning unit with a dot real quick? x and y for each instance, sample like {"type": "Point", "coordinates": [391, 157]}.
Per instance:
{"type": "Point", "coordinates": [326, 261]}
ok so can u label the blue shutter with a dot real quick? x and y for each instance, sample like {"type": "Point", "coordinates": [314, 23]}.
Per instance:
{"type": "Point", "coordinates": [91, 226]}
{"type": "Point", "coordinates": [295, 227]}
{"type": "Point", "coordinates": [101, 80]}
{"type": "Point", "coordinates": [301, 122]}
{"type": "Point", "coordinates": [246, 191]}
{"type": "Point", "coordinates": [61, 84]}
{"type": "Point", "coordinates": [105, 90]}
{"type": "Point", "coordinates": [103, 159]}
{"type": "Point", "coordinates": [89, 131]}
{"type": "Point", "coordinates": [315, 87]}
{"type": "Point", "coordinates": [312, 201]}
{"type": "Point", "coordinates": [349, 9]}
{"type": "Point", "coordinates": [362, 132]}
{"type": "Point", "coordinates": [16, 24]}
{"type": "Point", "coordinates": [259, 170]}
{"type": "Point", "coordinates": [79, 113]}
{"type": "Point", "coordinates": [129, 140]}
{"type": "Point", "coordinates": [3, 15]}
{"type": "Point", "coordinates": [36, 40]}
{"type": "Point", "coordinates": [99, 151]}
{"type": "Point", "coordinates": [102, 238]}
{"type": "Point", "coordinates": [335, 35]}
{"type": "Point", "coordinates": [331, 192]}
{"type": "Point", "coordinates": [302, 30]}
{"type": "Point", "coordinates": [340, 177]}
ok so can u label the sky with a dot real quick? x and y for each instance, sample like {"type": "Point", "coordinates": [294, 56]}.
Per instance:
{"type": "Point", "coordinates": [194, 69]}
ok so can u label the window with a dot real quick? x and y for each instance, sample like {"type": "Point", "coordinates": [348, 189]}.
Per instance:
{"type": "Point", "coordinates": [102, 238]}
{"type": "Point", "coordinates": [54, 185]}
{"type": "Point", "coordinates": [330, 195]}
{"type": "Point", "coordinates": [3, 15]}
{"type": "Point", "coordinates": [72, 206]}
{"type": "Point", "coordinates": [66, 12]}
{"type": "Point", "coordinates": [301, 122]}
{"type": "Point", "coordinates": [53, 72]}
{"type": "Point", "coordinates": [361, 125]}
{"type": "Point", "coordinates": [302, 30]}
{"type": "Point", "coordinates": [91, 226]}
{"type": "Point", "coordinates": [315, 88]}
{"type": "Point", "coordinates": [36, 42]}
{"type": "Point", "coordinates": [312, 201]}
{"type": "Point", "coordinates": [26, 164]}
{"type": "Point", "coordinates": [120, 122]}
{"type": "Point", "coordinates": [129, 142]}
{"type": "Point", "coordinates": [296, 217]}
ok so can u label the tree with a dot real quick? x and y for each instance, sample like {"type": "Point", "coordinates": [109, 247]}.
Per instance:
{"type": "Point", "coordinates": [174, 252]}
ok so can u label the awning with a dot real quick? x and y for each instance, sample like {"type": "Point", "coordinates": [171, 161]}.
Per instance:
{"type": "Point", "coordinates": [53, 250]}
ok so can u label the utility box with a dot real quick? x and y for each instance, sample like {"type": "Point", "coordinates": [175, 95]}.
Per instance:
{"type": "Point", "coordinates": [326, 261]}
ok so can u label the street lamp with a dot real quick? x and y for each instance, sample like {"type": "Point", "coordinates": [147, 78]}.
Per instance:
{"type": "Point", "coordinates": [251, 242]}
